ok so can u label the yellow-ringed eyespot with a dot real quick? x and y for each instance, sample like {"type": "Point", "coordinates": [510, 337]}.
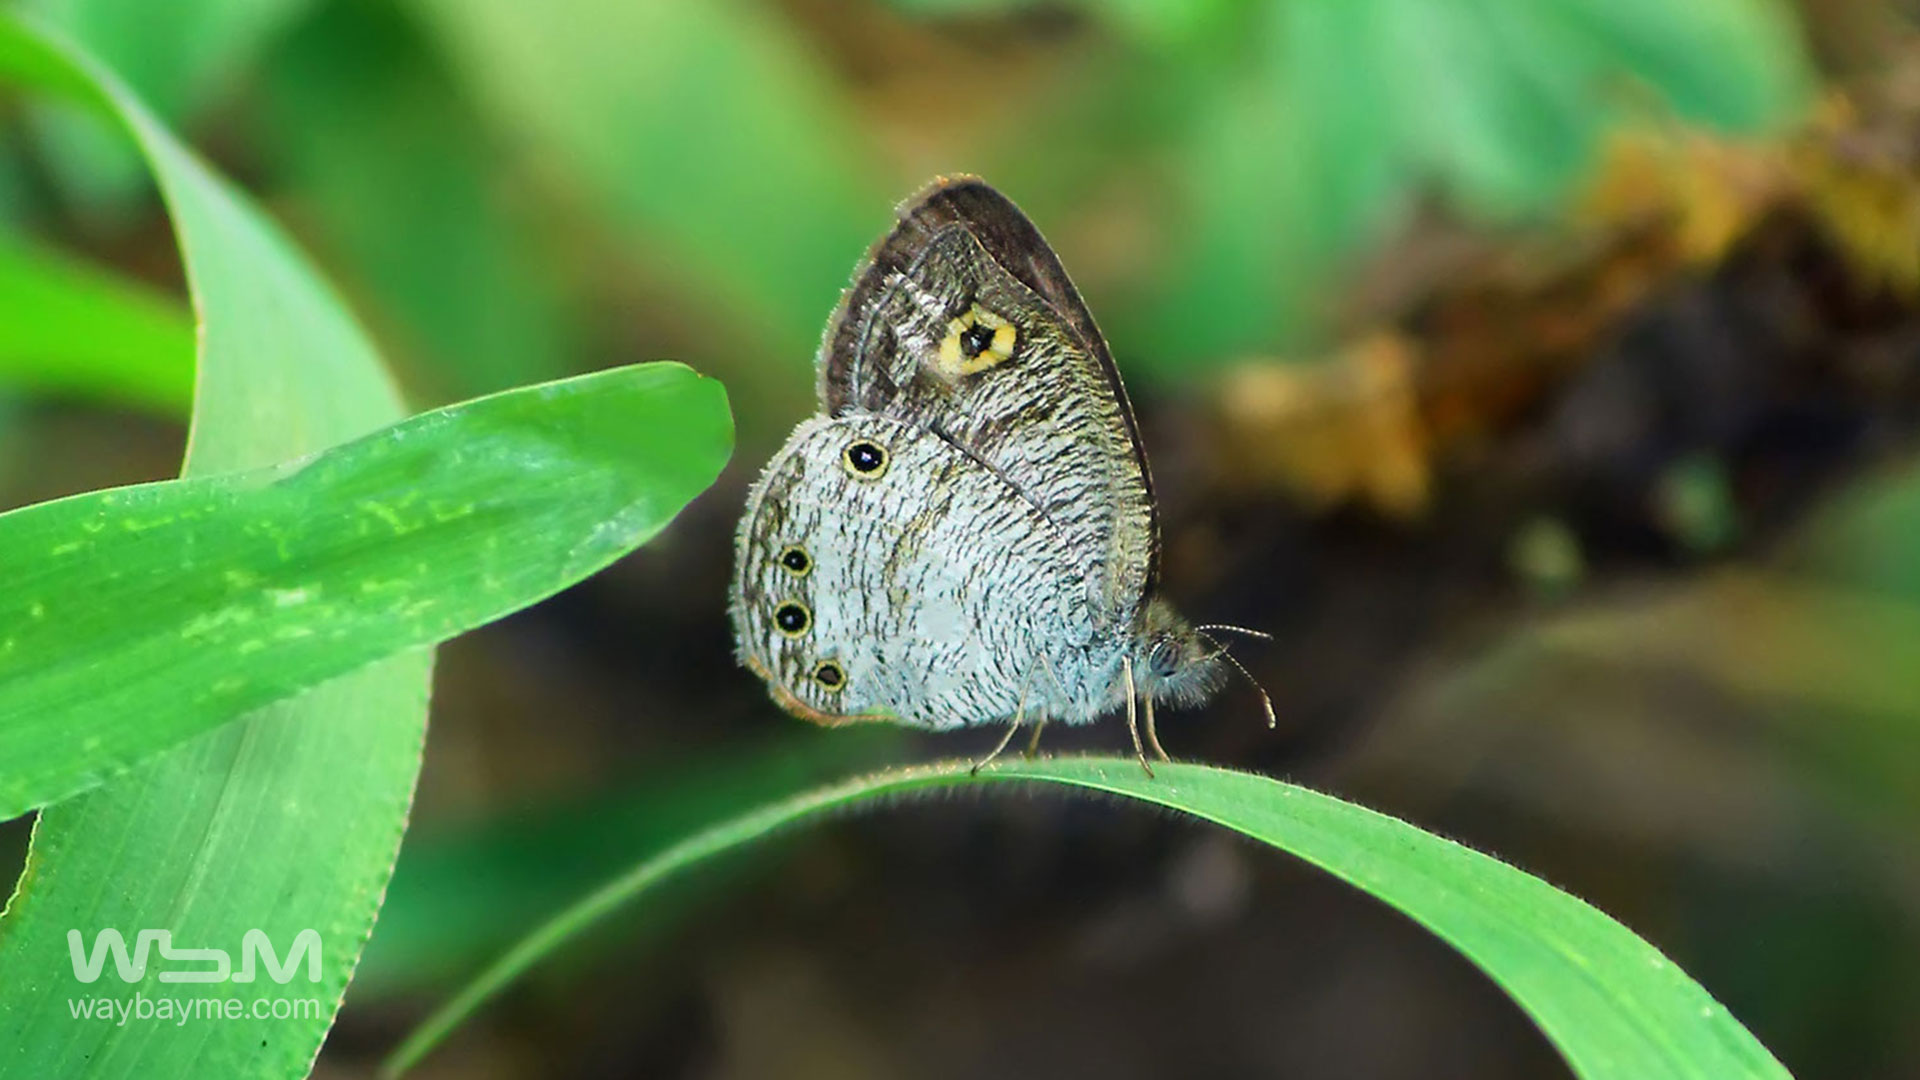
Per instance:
{"type": "Point", "coordinates": [792, 618]}
{"type": "Point", "coordinates": [976, 340]}
{"type": "Point", "coordinates": [796, 561]}
{"type": "Point", "coordinates": [864, 459]}
{"type": "Point", "coordinates": [829, 675]}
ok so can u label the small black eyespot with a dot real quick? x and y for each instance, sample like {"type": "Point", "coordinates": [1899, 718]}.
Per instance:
{"type": "Point", "coordinates": [829, 675]}
{"type": "Point", "coordinates": [796, 560]}
{"type": "Point", "coordinates": [976, 339]}
{"type": "Point", "coordinates": [866, 460]}
{"type": "Point", "coordinates": [792, 618]}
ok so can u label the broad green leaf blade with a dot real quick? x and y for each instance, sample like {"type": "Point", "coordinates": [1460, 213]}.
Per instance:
{"type": "Point", "coordinates": [1613, 1005]}
{"type": "Point", "coordinates": [286, 821]}
{"type": "Point", "coordinates": [139, 617]}
{"type": "Point", "coordinates": [70, 328]}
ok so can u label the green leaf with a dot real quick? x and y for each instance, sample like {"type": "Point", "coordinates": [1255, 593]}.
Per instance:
{"type": "Point", "coordinates": [1272, 215]}
{"type": "Point", "coordinates": [287, 820]}
{"type": "Point", "coordinates": [708, 128]}
{"type": "Point", "coordinates": [141, 616]}
{"type": "Point", "coordinates": [1865, 537]}
{"type": "Point", "coordinates": [176, 56]}
{"type": "Point", "coordinates": [1341, 114]}
{"type": "Point", "coordinates": [389, 161]}
{"type": "Point", "coordinates": [1735, 65]}
{"type": "Point", "coordinates": [465, 891]}
{"type": "Point", "coordinates": [1613, 1005]}
{"type": "Point", "coordinates": [14, 185]}
{"type": "Point", "coordinates": [70, 328]}
{"type": "Point", "coordinates": [1814, 676]}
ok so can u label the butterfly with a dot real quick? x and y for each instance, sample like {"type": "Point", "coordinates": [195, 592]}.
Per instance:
{"type": "Point", "coordinates": [966, 533]}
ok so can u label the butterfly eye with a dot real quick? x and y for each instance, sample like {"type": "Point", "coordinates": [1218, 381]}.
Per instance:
{"type": "Point", "coordinates": [795, 560]}
{"type": "Point", "coordinates": [1164, 658]}
{"type": "Point", "coordinates": [792, 618]}
{"type": "Point", "coordinates": [865, 460]}
{"type": "Point", "coordinates": [830, 675]}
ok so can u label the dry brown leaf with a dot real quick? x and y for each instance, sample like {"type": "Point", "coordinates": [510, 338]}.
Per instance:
{"type": "Point", "coordinates": [1346, 429]}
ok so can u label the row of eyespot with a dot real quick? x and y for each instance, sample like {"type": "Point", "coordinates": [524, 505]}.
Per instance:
{"type": "Point", "coordinates": [863, 460]}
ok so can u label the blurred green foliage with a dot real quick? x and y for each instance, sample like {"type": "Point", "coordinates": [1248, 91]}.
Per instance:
{"type": "Point", "coordinates": [71, 328]}
{"type": "Point", "coordinates": [397, 179]}
{"type": "Point", "coordinates": [709, 129]}
{"type": "Point", "coordinates": [1336, 118]}
{"type": "Point", "coordinates": [480, 168]}
{"type": "Point", "coordinates": [180, 56]}
{"type": "Point", "coordinates": [1866, 539]}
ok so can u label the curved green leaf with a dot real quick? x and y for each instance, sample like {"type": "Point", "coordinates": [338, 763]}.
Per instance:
{"type": "Point", "coordinates": [286, 821]}
{"type": "Point", "coordinates": [464, 891]}
{"type": "Point", "coordinates": [1613, 1005]}
{"type": "Point", "coordinates": [137, 617]}
{"type": "Point", "coordinates": [175, 57]}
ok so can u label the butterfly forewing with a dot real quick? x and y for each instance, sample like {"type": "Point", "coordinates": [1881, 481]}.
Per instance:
{"type": "Point", "coordinates": [963, 324]}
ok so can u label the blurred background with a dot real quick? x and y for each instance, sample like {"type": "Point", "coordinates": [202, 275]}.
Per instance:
{"type": "Point", "coordinates": [1545, 377]}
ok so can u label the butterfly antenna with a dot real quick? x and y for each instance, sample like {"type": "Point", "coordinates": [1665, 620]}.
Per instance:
{"type": "Point", "coordinates": [1261, 634]}
{"type": "Point", "coordinates": [1219, 650]}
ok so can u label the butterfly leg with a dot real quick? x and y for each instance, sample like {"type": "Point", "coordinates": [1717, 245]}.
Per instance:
{"type": "Point", "coordinates": [1153, 739]}
{"type": "Point", "coordinates": [1133, 719]}
{"type": "Point", "coordinates": [997, 748]}
{"type": "Point", "coordinates": [1033, 742]}
{"type": "Point", "coordinates": [1019, 714]}
{"type": "Point", "coordinates": [1040, 725]}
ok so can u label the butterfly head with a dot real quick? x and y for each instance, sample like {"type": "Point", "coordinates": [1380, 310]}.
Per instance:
{"type": "Point", "coordinates": [1173, 662]}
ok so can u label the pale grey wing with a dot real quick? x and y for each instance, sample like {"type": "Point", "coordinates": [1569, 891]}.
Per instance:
{"type": "Point", "coordinates": [927, 586]}
{"type": "Point", "coordinates": [963, 324]}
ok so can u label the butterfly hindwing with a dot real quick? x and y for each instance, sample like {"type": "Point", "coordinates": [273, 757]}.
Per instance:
{"type": "Point", "coordinates": [885, 575]}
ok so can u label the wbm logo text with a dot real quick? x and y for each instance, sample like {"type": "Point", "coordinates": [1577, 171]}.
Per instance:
{"type": "Point", "coordinates": [256, 952]}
